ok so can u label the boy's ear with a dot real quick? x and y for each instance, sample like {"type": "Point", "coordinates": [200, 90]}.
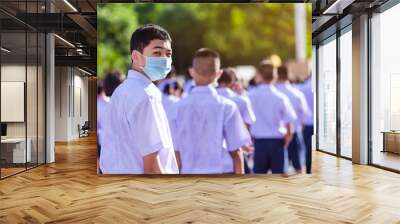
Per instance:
{"type": "Point", "coordinates": [133, 57]}
{"type": "Point", "coordinates": [258, 77]}
{"type": "Point", "coordinates": [219, 73]}
{"type": "Point", "coordinates": [136, 57]}
{"type": "Point", "coordinates": [192, 72]}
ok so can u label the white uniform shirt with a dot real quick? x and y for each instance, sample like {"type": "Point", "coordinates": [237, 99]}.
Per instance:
{"type": "Point", "coordinates": [242, 103]}
{"type": "Point", "coordinates": [169, 104]}
{"type": "Point", "coordinates": [306, 89]}
{"type": "Point", "coordinates": [102, 104]}
{"type": "Point", "coordinates": [136, 126]}
{"type": "Point", "coordinates": [298, 102]}
{"type": "Point", "coordinates": [246, 111]}
{"type": "Point", "coordinates": [273, 111]}
{"type": "Point", "coordinates": [203, 121]}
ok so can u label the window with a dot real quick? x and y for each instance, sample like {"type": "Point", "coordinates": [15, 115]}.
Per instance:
{"type": "Point", "coordinates": [327, 96]}
{"type": "Point", "coordinates": [22, 91]}
{"type": "Point", "coordinates": [385, 89]}
{"type": "Point", "coordinates": [346, 93]}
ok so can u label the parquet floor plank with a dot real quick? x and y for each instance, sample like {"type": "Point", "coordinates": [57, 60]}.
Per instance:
{"type": "Point", "coordinates": [70, 191]}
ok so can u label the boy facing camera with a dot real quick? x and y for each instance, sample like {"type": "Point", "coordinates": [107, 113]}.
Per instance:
{"type": "Point", "coordinates": [137, 137]}
{"type": "Point", "coordinates": [204, 120]}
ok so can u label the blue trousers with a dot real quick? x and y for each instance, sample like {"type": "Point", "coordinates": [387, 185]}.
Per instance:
{"type": "Point", "coordinates": [98, 154]}
{"type": "Point", "coordinates": [307, 135]}
{"type": "Point", "coordinates": [246, 166]}
{"type": "Point", "coordinates": [269, 154]}
{"type": "Point", "coordinates": [295, 151]}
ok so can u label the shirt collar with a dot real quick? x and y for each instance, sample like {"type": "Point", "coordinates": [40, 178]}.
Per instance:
{"type": "Point", "coordinates": [282, 84]}
{"type": "Point", "coordinates": [265, 86]}
{"type": "Point", "coordinates": [103, 98]}
{"type": "Point", "coordinates": [204, 89]}
{"type": "Point", "coordinates": [225, 90]}
{"type": "Point", "coordinates": [133, 74]}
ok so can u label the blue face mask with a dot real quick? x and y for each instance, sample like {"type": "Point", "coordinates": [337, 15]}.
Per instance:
{"type": "Point", "coordinates": [157, 68]}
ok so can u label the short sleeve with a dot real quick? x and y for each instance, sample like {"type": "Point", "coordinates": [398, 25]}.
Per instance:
{"type": "Point", "coordinates": [151, 131]}
{"type": "Point", "coordinates": [304, 108]}
{"type": "Point", "coordinates": [235, 132]}
{"type": "Point", "coordinates": [288, 113]}
{"type": "Point", "coordinates": [248, 114]}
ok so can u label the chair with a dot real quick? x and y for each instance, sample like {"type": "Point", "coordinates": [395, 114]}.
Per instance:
{"type": "Point", "coordinates": [84, 129]}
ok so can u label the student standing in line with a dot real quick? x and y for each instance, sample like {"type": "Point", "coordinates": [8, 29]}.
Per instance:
{"type": "Point", "coordinates": [204, 120]}
{"type": "Point", "coordinates": [171, 95]}
{"type": "Point", "coordinates": [137, 138]}
{"type": "Point", "coordinates": [308, 129]}
{"type": "Point", "coordinates": [100, 99]}
{"type": "Point", "coordinates": [298, 101]}
{"type": "Point", "coordinates": [251, 86]}
{"type": "Point", "coordinates": [172, 92]}
{"type": "Point", "coordinates": [225, 83]}
{"type": "Point", "coordinates": [272, 130]}
{"type": "Point", "coordinates": [106, 88]}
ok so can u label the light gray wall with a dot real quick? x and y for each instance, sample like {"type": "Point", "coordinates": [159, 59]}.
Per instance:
{"type": "Point", "coordinates": [71, 93]}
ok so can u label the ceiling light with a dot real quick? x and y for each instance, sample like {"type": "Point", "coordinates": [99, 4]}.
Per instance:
{"type": "Point", "coordinates": [5, 50]}
{"type": "Point", "coordinates": [65, 41]}
{"type": "Point", "coordinates": [84, 71]}
{"type": "Point", "coordinates": [70, 5]}
{"type": "Point", "coordinates": [337, 7]}
{"type": "Point", "coordinates": [79, 51]}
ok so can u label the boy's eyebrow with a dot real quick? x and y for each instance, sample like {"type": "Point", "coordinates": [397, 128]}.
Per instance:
{"type": "Point", "coordinates": [161, 47]}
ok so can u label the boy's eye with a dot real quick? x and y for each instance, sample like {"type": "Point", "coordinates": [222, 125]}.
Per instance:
{"type": "Point", "coordinates": [157, 53]}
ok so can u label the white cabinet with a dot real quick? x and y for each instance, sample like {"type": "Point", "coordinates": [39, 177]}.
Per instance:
{"type": "Point", "coordinates": [19, 155]}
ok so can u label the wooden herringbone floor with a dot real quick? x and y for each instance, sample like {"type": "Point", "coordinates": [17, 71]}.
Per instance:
{"type": "Point", "coordinates": [70, 191]}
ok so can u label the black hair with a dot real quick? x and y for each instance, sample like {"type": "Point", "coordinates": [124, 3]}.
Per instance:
{"type": "Point", "coordinates": [228, 76]}
{"type": "Point", "coordinates": [283, 73]}
{"type": "Point", "coordinates": [252, 82]}
{"type": "Point", "coordinates": [266, 70]}
{"type": "Point", "coordinates": [111, 82]}
{"type": "Point", "coordinates": [205, 53]}
{"type": "Point", "coordinates": [99, 86]}
{"type": "Point", "coordinates": [206, 61]}
{"type": "Point", "coordinates": [172, 85]}
{"type": "Point", "coordinates": [142, 36]}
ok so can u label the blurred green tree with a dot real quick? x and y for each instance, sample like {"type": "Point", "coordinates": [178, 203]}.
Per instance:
{"type": "Point", "coordinates": [115, 25]}
{"type": "Point", "coordinates": [243, 34]}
